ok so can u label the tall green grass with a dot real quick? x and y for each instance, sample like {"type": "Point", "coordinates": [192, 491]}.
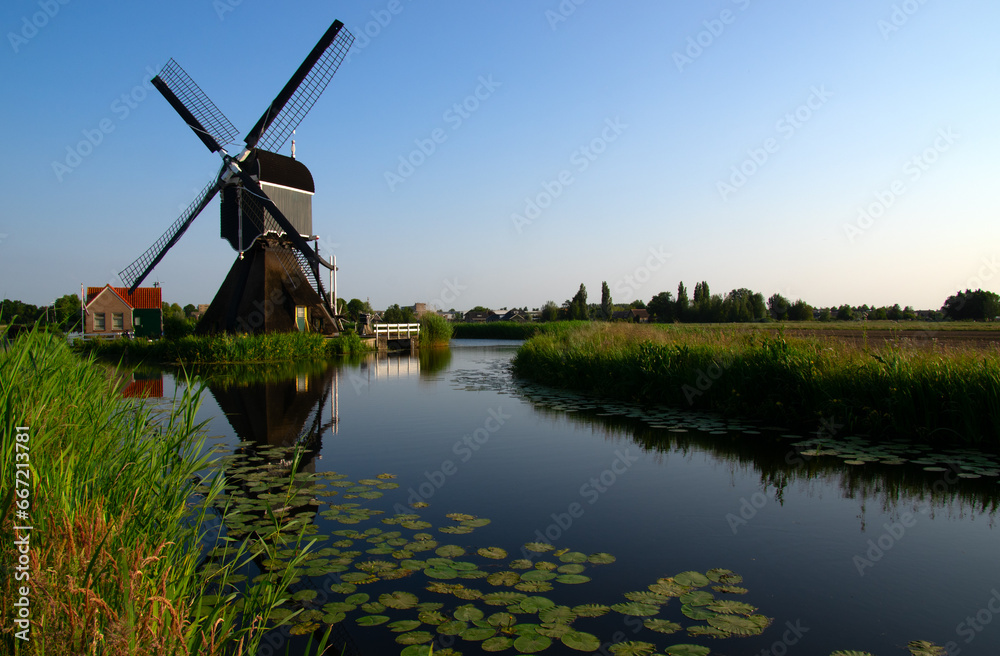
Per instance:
{"type": "Point", "coordinates": [228, 349]}
{"type": "Point", "coordinates": [948, 394]}
{"type": "Point", "coordinates": [434, 330]}
{"type": "Point", "coordinates": [118, 525]}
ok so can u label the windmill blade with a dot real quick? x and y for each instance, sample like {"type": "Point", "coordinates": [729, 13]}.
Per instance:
{"type": "Point", "coordinates": [298, 96]}
{"type": "Point", "coordinates": [134, 273]}
{"type": "Point", "coordinates": [200, 113]}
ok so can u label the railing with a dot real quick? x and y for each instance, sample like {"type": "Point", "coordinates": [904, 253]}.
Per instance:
{"type": "Point", "coordinates": [396, 330]}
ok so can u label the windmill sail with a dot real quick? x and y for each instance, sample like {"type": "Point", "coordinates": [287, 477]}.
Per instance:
{"type": "Point", "coordinates": [298, 96]}
{"type": "Point", "coordinates": [200, 113]}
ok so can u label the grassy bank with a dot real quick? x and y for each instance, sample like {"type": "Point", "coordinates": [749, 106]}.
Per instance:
{"type": "Point", "coordinates": [227, 349]}
{"type": "Point", "coordinates": [950, 394]}
{"type": "Point", "coordinates": [120, 519]}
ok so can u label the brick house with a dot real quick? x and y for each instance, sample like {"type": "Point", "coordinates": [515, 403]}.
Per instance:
{"type": "Point", "coordinates": [111, 311]}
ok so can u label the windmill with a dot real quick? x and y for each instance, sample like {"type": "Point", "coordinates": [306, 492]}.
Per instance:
{"type": "Point", "coordinates": [275, 283]}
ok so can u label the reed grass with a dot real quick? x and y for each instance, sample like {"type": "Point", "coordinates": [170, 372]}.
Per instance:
{"type": "Point", "coordinates": [434, 330]}
{"type": "Point", "coordinates": [951, 394]}
{"type": "Point", "coordinates": [228, 349]}
{"type": "Point", "coordinates": [116, 549]}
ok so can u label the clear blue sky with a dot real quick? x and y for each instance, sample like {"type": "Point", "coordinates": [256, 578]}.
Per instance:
{"type": "Point", "coordinates": [839, 97]}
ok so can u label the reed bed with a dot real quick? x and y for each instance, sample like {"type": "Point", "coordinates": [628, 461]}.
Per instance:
{"type": "Point", "coordinates": [119, 510]}
{"type": "Point", "coordinates": [229, 349]}
{"type": "Point", "coordinates": [434, 330]}
{"type": "Point", "coordinates": [947, 394]}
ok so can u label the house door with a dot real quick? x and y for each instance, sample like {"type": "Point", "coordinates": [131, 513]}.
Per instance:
{"type": "Point", "coordinates": [300, 318]}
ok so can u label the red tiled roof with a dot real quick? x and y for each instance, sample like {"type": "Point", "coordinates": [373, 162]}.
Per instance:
{"type": "Point", "coordinates": [144, 298]}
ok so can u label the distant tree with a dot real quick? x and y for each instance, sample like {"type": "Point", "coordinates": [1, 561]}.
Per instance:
{"type": "Point", "coordinates": [606, 306]}
{"type": "Point", "coordinates": [637, 304]}
{"type": "Point", "coordinates": [550, 311]}
{"type": "Point", "coordinates": [879, 314]}
{"type": "Point", "coordinates": [480, 308]}
{"type": "Point", "coordinates": [355, 307]}
{"type": "Point", "coordinates": [909, 314]}
{"type": "Point", "coordinates": [845, 313]}
{"type": "Point", "coordinates": [825, 315]}
{"type": "Point", "coordinates": [396, 314]}
{"type": "Point", "coordinates": [778, 306]}
{"type": "Point", "coordinates": [67, 312]}
{"type": "Point", "coordinates": [682, 303]}
{"type": "Point", "coordinates": [800, 311]}
{"type": "Point", "coordinates": [969, 305]}
{"type": "Point", "coordinates": [578, 305]}
{"type": "Point", "coordinates": [190, 309]}
{"type": "Point", "coordinates": [662, 307]}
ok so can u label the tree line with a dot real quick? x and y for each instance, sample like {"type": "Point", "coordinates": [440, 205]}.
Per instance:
{"type": "Point", "coordinates": [744, 305]}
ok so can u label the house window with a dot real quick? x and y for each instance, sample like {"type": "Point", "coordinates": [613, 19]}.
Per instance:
{"type": "Point", "coordinates": [117, 321]}
{"type": "Point", "coordinates": [99, 321]}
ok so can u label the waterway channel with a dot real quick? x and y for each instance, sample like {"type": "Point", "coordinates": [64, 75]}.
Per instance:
{"type": "Point", "coordinates": [865, 556]}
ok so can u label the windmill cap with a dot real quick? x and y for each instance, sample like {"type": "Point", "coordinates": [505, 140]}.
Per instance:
{"type": "Point", "coordinates": [279, 170]}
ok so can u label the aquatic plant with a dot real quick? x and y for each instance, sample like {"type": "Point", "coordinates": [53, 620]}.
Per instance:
{"type": "Point", "coordinates": [950, 394]}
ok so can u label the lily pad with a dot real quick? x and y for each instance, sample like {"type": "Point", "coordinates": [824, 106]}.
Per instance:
{"type": "Point", "coordinates": [601, 558]}
{"type": "Point", "coordinates": [399, 600]}
{"type": "Point", "coordinates": [556, 614]}
{"type": "Point", "coordinates": [468, 613]}
{"type": "Point", "coordinates": [404, 626]}
{"type": "Point", "coordinates": [531, 643]}
{"type": "Point", "coordinates": [497, 643]}
{"type": "Point", "coordinates": [450, 551]}
{"type": "Point", "coordinates": [687, 650]}
{"type": "Point", "coordinates": [581, 641]}
{"type": "Point", "coordinates": [632, 648]}
{"type": "Point", "coordinates": [697, 598]}
{"type": "Point", "coordinates": [536, 604]}
{"type": "Point", "coordinates": [662, 626]}
{"type": "Point", "coordinates": [538, 547]}
{"type": "Point", "coordinates": [591, 610]}
{"type": "Point", "coordinates": [692, 579]}
{"type": "Point", "coordinates": [636, 609]}
{"type": "Point", "coordinates": [572, 579]}
{"type": "Point", "coordinates": [496, 553]}
{"type": "Point", "coordinates": [414, 638]}
{"type": "Point", "coordinates": [477, 634]}
{"type": "Point", "coordinates": [696, 612]}
{"type": "Point", "coordinates": [372, 620]}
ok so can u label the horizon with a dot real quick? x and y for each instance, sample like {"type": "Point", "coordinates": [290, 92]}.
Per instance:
{"type": "Point", "coordinates": [836, 154]}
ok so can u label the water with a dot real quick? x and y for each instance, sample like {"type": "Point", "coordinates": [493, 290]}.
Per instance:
{"type": "Point", "coordinates": [841, 557]}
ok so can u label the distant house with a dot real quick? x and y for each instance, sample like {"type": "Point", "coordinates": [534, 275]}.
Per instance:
{"type": "Point", "coordinates": [634, 315]}
{"type": "Point", "coordinates": [112, 311]}
{"type": "Point", "coordinates": [519, 316]}
{"type": "Point", "coordinates": [479, 316]}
